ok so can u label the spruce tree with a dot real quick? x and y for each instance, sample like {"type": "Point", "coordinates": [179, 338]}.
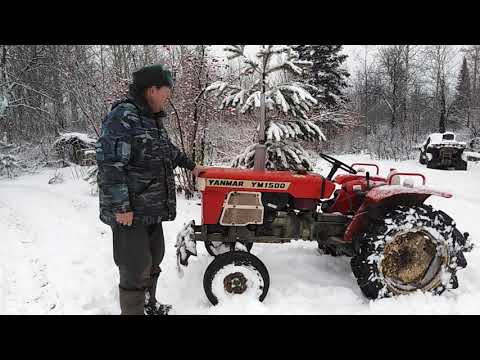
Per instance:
{"type": "Point", "coordinates": [463, 94]}
{"type": "Point", "coordinates": [287, 104]}
{"type": "Point", "coordinates": [326, 74]}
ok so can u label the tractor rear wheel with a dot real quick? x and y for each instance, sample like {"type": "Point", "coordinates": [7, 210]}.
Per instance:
{"type": "Point", "coordinates": [236, 273]}
{"type": "Point", "coordinates": [410, 249]}
{"type": "Point", "coordinates": [423, 159]}
{"type": "Point", "coordinates": [461, 165]}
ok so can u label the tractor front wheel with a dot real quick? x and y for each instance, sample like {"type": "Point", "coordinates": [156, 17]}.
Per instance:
{"type": "Point", "coordinates": [410, 249]}
{"type": "Point", "coordinates": [238, 274]}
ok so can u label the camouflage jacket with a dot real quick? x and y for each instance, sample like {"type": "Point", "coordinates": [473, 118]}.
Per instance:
{"type": "Point", "coordinates": [136, 160]}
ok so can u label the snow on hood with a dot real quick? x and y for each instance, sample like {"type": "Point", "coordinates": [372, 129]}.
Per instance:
{"type": "Point", "coordinates": [438, 138]}
{"type": "Point", "coordinates": [379, 193]}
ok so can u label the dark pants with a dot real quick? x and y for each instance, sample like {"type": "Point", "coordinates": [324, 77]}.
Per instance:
{"type": "Point", "coordinates": [138, 251]}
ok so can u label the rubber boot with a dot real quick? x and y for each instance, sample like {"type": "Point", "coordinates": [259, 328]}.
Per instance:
{"type": "Point", "coordinates": [152, 306]}
{"type": "Point", "coordinates": [150, 297]}
{"type": "Point", "coordinates": [132, 301]}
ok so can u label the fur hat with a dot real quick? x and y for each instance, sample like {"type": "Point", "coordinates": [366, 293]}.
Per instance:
{"type": "Point", "coordinates": [152, 75]}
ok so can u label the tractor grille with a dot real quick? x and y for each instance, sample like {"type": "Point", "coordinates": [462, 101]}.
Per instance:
{"type": "Point", "coordinates": [242, 208]}
{"type": "Point", "coordinates": [447, 155]}
{"type": "Point", "coordinates": [244, 198]}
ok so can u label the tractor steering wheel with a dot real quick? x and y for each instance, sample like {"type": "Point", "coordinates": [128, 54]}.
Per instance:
{"type": "Point", "coordinates": [337, 164]}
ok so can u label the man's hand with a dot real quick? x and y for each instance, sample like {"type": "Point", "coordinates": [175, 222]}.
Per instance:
{"type": "Point", "coordinates": [124, 218]}
{"type": "Point", "coordinates": [198, 170]}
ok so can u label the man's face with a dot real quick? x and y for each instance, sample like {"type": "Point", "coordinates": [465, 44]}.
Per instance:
{"type": "Point", "coordinates": [158, 97]}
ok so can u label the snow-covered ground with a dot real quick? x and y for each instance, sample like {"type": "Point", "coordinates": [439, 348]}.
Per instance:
{"type": "Point", "coordinates": [56, 257]}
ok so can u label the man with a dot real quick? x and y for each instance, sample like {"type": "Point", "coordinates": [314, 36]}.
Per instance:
{"type": "Point", "coordinates": [136, 160]}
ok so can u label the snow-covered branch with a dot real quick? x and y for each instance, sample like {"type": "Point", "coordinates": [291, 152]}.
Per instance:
{"type": "Point", "coordinates": [283, 155]}
{"type": "Point", "coordinates": [234, 51]}
{"type": "Point", "coordinates": [299, 129]}
{"type": "Point", "coordinates": [292, 98]}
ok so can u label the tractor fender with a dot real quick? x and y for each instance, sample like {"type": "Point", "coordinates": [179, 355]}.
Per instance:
{"type": "Point", "coordinates": [381, 199]}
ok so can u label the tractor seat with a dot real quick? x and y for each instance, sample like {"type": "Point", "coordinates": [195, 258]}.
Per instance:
{"type": "Point", "coordinates": [350, 196]}
{"type": "Point", "coordinates": [328, 203]}
{"type": "Point", "coordinates": [345, 178]}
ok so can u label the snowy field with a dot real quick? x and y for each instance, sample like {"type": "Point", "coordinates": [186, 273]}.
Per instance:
{"type": "Point", "coordinates": [56, 256]}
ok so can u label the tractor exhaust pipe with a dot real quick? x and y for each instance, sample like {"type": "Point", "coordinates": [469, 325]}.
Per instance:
{"type": "Point", "coordinates": [259, 159]}
{"type": "Point", "coordinates": [260, 148]}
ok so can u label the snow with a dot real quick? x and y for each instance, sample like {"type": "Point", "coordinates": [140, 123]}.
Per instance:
{"type": "Point", "coordinates": [252, 100]}
{"type": "Point", "coordinates": [56, 256]}
{"type": "Point", "coordinates": [76, 135]}
{"type": "Point", "coordinates": [218, 85]}
{"type": "Point", "coordinates": [409, 183]}
{"type": "Point", "coordinates": [437, 139]}
{"type": "Point", "coordinates": [317, 130]}
{"type": "Point", "coordinates": [296, 69]}
{"type": "Point", "coordinates": [185, 243]}
{"type": "Point", "coordinates": [280, 100]}
{"type": "Point", "coordinates": [383, 191]}
{"type": "Point", "coordinates": [299, 91]}
{"type": "Point", "coordinates": [277, 131]}
{"type": "Point", "coordinates": [472, 155]}
{"type": "Point", "coordinates": [274, 132]}
{"type": "Point", "coordinates": [291, 96]}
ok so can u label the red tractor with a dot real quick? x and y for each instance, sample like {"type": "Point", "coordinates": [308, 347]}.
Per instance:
{"type": "Point", "coordinates": [397, 244]}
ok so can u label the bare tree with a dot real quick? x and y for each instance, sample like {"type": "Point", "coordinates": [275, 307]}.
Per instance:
{"type": "Point", "coordinates": [193, 69]}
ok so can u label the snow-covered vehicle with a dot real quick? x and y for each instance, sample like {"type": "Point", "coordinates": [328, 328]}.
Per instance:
{"type": "Point", "coordinates": [473, 153]}
{"type": "Point", "coordinates": [443, 151]}
{"type": "Point", "coordinates": [397, 243]}
{"type": "Point", "coordinates": [474, 144]}
{"type": "Point", "coordinates": [77, 148]}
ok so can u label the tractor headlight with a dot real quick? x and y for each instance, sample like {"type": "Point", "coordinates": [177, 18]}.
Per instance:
{"type": "Point", "coordinates": [200, 183]}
